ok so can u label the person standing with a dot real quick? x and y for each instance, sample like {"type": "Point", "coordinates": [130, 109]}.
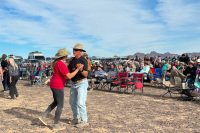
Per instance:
{"type": "Point", "coordinates": [89, 77]}
{"type": "Point", "coordinates": [4, 65]}
{"type": "Point", "coordinates": [78, 91]}
{"type": "Point", "coordinates": [14, 77]}
{"type": "Point", "coordinates": [57, 82]}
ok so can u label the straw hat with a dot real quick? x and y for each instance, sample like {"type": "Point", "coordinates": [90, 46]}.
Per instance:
{"type": "Point", "coordinates": [191, 62]}
{"type": "Point", "coordinates": [79, 46]}
{"type": "Point", "coordinates": [182, 63]}
{"type": "Point", "coordinates": [61, 53]}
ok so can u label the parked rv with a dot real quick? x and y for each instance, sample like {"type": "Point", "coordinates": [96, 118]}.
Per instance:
{"type": "Point", "coordinates": [36, 56]}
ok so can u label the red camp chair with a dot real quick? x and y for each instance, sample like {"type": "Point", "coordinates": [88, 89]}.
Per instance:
{"type": "Point", "coordinates": [125, 81]}
{"type": "Point", "coordinates": [138, 81]}
{"type": "Point", "coordinates": [114, 83]}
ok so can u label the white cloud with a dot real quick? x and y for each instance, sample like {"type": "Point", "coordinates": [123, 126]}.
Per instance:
{"type": "Point", "coordinates": [179, 13]}
{"type": "Point", "coordinates": [106, 27]}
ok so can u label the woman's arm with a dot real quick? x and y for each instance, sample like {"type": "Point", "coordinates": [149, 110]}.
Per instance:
{"type": "Point", "coordinates": [1, 74]}
{"type": "Point", "coordinates": [71, 75]}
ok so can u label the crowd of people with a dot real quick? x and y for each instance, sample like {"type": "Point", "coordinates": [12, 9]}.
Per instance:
{"type": "Point", "coordinates": [80, 68]}
{"type": "Point", "coordinates": [9, 72]}
{"type": "Point", "coordinates": [183, 67]}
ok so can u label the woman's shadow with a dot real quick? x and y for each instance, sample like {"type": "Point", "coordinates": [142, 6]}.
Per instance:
{"type": "Point", "coordinates": [30, 115]}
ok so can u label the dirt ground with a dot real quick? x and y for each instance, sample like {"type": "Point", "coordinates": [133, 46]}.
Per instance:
{"type": "Point", "coordinates": [109, 112]}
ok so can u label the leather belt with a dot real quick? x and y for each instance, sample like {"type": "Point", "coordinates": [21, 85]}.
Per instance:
{"type": "Point", "coordinates": [78, 81]}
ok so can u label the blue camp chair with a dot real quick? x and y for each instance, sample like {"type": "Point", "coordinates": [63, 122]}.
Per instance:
{"type": "Point", "coordinates": [158, 73]}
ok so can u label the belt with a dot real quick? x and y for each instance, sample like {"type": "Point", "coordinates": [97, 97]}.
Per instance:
{"type": "Point", "coordinates": [78, 81]}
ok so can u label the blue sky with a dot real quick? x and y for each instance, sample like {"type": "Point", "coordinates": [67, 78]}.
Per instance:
{"type": "Point", "coordinates": [105, 27]}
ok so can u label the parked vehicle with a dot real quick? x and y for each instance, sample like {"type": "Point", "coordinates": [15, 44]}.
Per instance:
{"type": "Point", "coordinates": [36, 56]}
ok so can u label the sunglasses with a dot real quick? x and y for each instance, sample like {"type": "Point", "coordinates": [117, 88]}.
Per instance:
{"type": "Point", "coordinates": [76, 50]}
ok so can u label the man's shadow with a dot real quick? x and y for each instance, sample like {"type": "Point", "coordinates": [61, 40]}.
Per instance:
{"type": "Point", "coordinates": [31, 115]}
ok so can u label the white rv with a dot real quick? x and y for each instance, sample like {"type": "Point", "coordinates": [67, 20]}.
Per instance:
{"type": "Point", "coordinates": [36, 56]}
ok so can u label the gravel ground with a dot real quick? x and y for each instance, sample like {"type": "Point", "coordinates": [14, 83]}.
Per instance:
{"type": "Point", "coordinates": [109, 112]}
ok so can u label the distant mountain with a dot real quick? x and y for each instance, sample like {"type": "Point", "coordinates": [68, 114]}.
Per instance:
{"type": "Point", "coordinates": [152, 54]}
{"type": "Point", "coordinates": [167, 54]}
{"type": "Point", "coordinates": [193, 54]}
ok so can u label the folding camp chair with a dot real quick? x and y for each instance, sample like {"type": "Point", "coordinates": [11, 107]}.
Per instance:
{"type": "Point", "coordinates": [115, 83]}
{"type": "Point", "coordinates": [138, 77]}
{"type": "Point", "coordinates": [158, 73]}
{"type": "Point", "coordinates": [125, 81]}
{"type": "Point", "coordinates": [175, 88]}
{"type": "Point", "coordinates": [36, 79]}
{"type": "Point", "coordinates": [157, 77]}
{"type": "Point", "coordinates": [119, 81]}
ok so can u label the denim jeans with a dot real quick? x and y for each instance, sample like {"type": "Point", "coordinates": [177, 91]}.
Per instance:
{"type": "Point", "coordinates": [78, 97]}
{"type": "Point", "coordinates": [58, 100]}
{"type": "Point", "coordinates": [13, 88]}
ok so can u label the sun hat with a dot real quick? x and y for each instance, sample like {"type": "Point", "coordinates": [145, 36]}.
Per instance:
{"type": "Point", "coordinates": [191, 62]}
{"type": "Point", "coordinates": [182, 63]}
{"type": "Point", "coordinates": [79, 46]}
{"type": "Point", "coordinates": [61, 53]}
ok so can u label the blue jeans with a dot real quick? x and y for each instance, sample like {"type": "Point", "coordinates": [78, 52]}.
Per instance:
{"type": "Point", "coordinates": [78, 97]}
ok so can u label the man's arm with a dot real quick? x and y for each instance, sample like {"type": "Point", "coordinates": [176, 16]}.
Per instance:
{"type": "Point", "coordinates": [84, 71]}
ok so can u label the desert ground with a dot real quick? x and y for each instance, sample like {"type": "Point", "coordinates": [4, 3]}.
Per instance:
{"type": "Point", "coordinates": [109, 112]}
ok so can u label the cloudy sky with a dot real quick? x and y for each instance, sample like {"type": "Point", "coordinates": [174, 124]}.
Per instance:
{"type": "Point", "coordinates": [105, 27]}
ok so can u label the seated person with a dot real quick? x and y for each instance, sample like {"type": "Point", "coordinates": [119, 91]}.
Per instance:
{"type": "Point", "coordinates": [190, 72]}
{"type": "Point", "coordinates": [165, 68]}
{"type": "Point", "coordinates": [132, 68]}
{"type": "Point", "coordinates": [176, 73]}
{"type": "Point", "coordinates": [113, 68]}
{"type": "Point", "coordinates": [120, 68]}
{"type": "Point", "coordinates": [99, 72]}
{"type": "Point", "coordinates": [197, 80]}
{"type": "Point", "coordinates": [145, 70]}
{"type": "Point", "coordinates": [126, 68]}
{"type": "Point", "coordinates": [36, 74]}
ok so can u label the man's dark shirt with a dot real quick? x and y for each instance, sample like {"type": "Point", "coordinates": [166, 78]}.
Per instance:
{"type": "Point", "coordinates": [191, 71]}
{"type": "Point", "coordinates": [72, 67]}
